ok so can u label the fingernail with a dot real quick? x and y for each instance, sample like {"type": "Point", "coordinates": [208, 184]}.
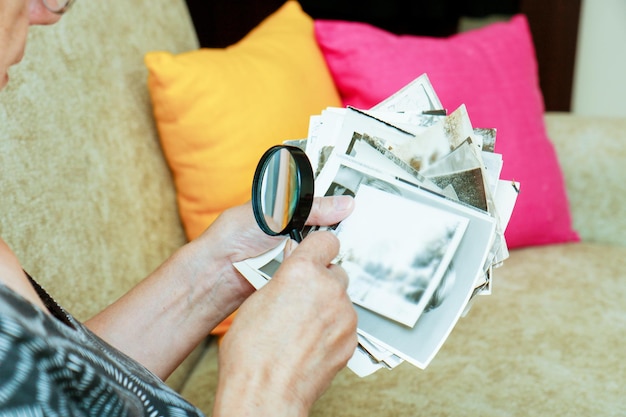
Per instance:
{"type": "Point", "coordinates": [343, 202]}
{"type": "Point", "coordinates": [290, 245]}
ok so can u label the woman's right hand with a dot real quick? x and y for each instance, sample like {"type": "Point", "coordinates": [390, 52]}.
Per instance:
{"type": "Point", "coordinates": [290, 338]}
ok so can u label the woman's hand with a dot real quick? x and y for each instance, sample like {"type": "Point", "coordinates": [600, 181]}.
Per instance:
{"type": "Point", "coordinates": [195, 289]}
{"type": "Point", "coordinates": [238, 236]}
{"type": "Point", "coordinates": [290, 338]}
{"type": "Point", "coordinates": [235, 236]}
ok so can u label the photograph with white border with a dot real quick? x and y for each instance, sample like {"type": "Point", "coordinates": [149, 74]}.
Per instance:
{"type": "Point", "coordinates": [418, 345]}
{"type": "Point", "coordinates": [396, 251]}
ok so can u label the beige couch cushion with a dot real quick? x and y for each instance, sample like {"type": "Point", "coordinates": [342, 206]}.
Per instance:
{"type": "Point", "coordinates": [548, 342]}
{"type": "Point", "coordinates": [87, 200]}
{"type": "Point", "coordinates": [592, 155]}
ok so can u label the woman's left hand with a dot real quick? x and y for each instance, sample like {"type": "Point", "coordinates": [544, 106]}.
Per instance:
{"type": "Point", "coordinates": [195, 289]}
{"type": "Point", "coordinates": [235, 236]}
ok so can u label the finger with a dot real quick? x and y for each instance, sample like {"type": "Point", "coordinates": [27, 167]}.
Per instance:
{"type": "Point", "coordinates": [319, 247]}
{"type": "Point", "coordinates": [327, 211]}
{"type": "Point", "coordinates": [340, 274]}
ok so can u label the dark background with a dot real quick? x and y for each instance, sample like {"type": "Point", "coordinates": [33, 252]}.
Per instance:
{"type": "Point", "coordinates": [554, 26]}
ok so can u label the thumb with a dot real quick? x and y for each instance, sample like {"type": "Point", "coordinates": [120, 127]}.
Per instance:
{"type": "Point", "coordinates": [330, 210]}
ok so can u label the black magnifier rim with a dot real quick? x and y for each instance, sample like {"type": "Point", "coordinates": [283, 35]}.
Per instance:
{"type": "Point", "coordinates": [306, 188]}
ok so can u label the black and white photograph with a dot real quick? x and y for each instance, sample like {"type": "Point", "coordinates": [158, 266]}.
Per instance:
{"type": "Point", "coordinates": [468, 186]}
{"type": "Point", "coordinates": [418, 95]}
{"type": "Point", "coordinates": [414, 122]}
{"type": "Point", "coordinates": [323, 132]}
{"type": "Point", "coordinates": [437, 141]}
{"type": "Point", "coordinates": [414, 243]}
{"type": "Point", "coordinates": [373, 153]}
{"type": "Point", "coordinates": [416, 249]}
{"type": "Point", "coordinates": [356, 121]}
{"type": "Point", "coordinates": [488, 137]}
{"type": "Point", "coordinates": [418, 345]}
{"type": "Point", "coordinates": [465, 170]}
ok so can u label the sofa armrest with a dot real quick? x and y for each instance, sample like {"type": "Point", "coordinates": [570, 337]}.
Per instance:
{"type": "Point", "coordinates": [592, 154]}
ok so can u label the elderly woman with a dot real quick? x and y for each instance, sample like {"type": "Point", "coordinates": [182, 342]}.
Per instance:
{"type": "Point", "coordinates": [278, 357]}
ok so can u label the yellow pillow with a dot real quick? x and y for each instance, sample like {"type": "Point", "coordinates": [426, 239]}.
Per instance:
{"type": "Point", "coordinates": [218, 110]}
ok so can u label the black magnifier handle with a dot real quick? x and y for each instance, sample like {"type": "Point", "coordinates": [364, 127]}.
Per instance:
{"type": "Point", "coordinates": [296, 235]}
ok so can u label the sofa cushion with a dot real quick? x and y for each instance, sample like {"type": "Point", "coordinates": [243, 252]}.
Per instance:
{"type": "Point", "coordinates": [218, 110]}
{"type": "Point", "coordinates": [88, 202]}
{"type": "Point", "coordinates": [545, 343]}
{"type": "Point", "coordinates": [592, 153]}
{"type": "Point", "coordinates": [493, 71]}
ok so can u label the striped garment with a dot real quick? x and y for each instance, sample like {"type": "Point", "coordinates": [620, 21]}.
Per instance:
{"type": "Point", "coordinates": [52, 365]}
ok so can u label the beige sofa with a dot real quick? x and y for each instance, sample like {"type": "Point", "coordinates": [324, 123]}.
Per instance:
{"type": "Point", "coordinates": [88, 204]}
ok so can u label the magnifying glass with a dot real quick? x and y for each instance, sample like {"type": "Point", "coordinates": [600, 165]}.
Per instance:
{"type": "Point", "coordinates": [282, 191]}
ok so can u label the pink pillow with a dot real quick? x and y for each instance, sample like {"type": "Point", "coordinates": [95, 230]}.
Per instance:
{"type": "Point", "coordinates": [493, 71]}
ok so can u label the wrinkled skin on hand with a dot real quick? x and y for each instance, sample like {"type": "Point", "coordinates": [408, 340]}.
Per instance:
{"type": "Point", "coordinates": [290, 338]}
{"type": "Point", "coordinates": [235, 236]}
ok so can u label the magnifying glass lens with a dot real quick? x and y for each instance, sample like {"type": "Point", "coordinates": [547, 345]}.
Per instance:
{"type": "Point", "coordinates": [282, 191]}
{"type": "Point", "coordinates": [279, 190]}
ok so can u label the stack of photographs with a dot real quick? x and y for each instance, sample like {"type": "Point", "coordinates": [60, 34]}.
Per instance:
{"type": "Point", "coordinates": [428, 225]}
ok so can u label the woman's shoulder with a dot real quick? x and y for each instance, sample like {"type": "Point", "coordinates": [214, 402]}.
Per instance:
{"type": "Point", "coordinates": [68, 369]}
{"type": "Point", "coordinates": [37, 343]}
